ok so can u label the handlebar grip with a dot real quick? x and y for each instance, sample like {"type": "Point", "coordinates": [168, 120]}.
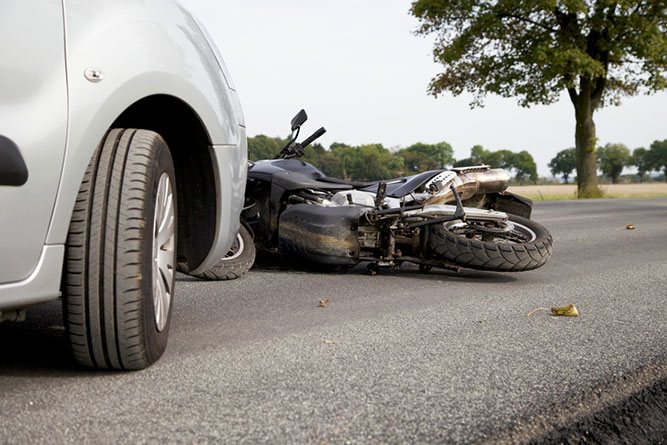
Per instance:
{"type": "Point", "coordinates": [312, 137]}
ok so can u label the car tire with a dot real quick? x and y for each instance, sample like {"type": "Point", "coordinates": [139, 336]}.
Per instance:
{"type": "Point", "coordinates": [121, 254]}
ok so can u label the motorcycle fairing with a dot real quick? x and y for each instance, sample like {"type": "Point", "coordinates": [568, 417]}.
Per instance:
{"type": "Point", "coordinates": [324, 235]}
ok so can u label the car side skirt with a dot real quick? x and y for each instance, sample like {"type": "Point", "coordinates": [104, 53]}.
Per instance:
{"type": "Point", "coordinates": [41, 286]}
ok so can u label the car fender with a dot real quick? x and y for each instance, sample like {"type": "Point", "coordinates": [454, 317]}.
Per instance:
{"type": "Point", "coordinates": [120, 52]}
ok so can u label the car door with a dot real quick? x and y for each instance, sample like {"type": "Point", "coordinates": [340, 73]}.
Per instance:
{"type": "Point", "coordinates": [33, 128]}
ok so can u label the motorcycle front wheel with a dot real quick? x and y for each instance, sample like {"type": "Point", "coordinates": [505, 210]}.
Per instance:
{"type": "Point", "coordinates": [525, 246]}
{"type": "Point", "coordinates": [236, 262]}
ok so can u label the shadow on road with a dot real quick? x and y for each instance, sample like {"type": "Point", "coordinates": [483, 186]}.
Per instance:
{"type": "Point", "coordinates": [37, 346]}
{"type": "Point", "coordinates": [465, 275]}
{"type": "Point", "coordinates": [407, 270]}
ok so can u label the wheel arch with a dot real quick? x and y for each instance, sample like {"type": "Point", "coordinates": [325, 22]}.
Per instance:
{"type": "Point", "coordinates": [189, 144]}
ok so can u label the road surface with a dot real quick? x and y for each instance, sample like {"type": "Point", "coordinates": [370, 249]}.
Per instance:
{"type": "Point", "coordinates": [394, 358]}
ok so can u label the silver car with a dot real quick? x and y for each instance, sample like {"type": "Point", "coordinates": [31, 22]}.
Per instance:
{"type": "Point", "coordinates": [122, 154]}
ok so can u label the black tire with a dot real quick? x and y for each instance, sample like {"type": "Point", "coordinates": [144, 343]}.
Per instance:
{"type": "Point", "coordinates": [110, 274]}
{"type": "Point", "coordinates": [500, 256]}
{"type": "Point", "coordinates": [236, 263]}
{"type": "Point", "coordinates": [425, 268]}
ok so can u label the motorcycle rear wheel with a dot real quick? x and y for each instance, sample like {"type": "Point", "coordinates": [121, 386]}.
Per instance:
{"type": "Point", "coordinates": [526, 247]}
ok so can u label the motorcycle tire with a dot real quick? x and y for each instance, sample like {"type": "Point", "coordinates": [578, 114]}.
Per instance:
{"type": "Point", "coordinates": [453, 242]}
{"type": "Point", "coordinates": [236, 263]}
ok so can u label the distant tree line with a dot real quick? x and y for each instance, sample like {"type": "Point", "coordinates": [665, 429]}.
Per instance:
{"type": "Point", "coordinates": [613, 158]}
{"type": "Point", "coordinates": [372, 162]}
{"type": "Point", "coordinates": [521, 164]}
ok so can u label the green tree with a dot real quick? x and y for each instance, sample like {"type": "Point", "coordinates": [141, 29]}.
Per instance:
{"type": "Point", "coordinates": [496, 159]}
{"type": "Point", "coordinates": [345, 156]}
{"type": "Point", "coordinates": [368, 162]}
{"type": "Point", "coordinates": [596, 50]}
{"type": "Point", "coordinates": [330, 164]}
{"type": "Point", "coordinates": [465, 162]}
{"type": "Point", "coordinates": [415, 161]}
{"type": "Point", "coordinates": [478, 154]}
{"type": "Point", "coordinates": [314, 154]}
{"type": "Point", "coordinates": [524, 167]}
{"type": "Point", "coordinates": [373, 162]}
{"type": "Point", "coordinates": [264, 147]}
{"type": "Point", "coordinates": [502, 159]}
{"type": "Point", "coordinates": [657, 155]}
{"type": "Point", "coordinates": [641, 160]}
{"type": "Point", "coordinates": [563, 163]}
{"type": "Point", "coordinates": [421, 157]}
{"type": "Point", "coordinates": [521, 163]}
{"type": "Point", "coordinates": [613, 158]}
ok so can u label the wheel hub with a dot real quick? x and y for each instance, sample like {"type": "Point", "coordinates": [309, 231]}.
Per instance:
{"type": "Point", "coordinates": [163, 251]}
{"type": "Point", "coordinates": [237, 248]}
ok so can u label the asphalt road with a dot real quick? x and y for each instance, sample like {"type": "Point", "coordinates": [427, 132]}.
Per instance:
{"type": "Point", "coordinates": [397, 358]}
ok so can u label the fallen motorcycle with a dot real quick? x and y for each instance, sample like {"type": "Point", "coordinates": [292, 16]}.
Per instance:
{"type": "Point", "coordinates": [461, 217]}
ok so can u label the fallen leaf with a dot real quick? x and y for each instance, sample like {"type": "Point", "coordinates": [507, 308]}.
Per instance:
{"type": "Point", "coordinates": [630, 227]}
{"type": "Point", "coordinates": [565, 311]}
{"type": "Point", "coordinates": [324, 303]}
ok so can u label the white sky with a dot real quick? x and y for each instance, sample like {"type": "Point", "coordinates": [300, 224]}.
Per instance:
{"type": "Point", "coordinates": [358, 70]}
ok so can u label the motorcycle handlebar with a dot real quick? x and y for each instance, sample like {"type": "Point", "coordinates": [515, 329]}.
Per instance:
{"type": "Point", "coordinates": [313, 137]}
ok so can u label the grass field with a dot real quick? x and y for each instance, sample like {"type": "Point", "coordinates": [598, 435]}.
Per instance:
{"type": "Point", "coordinates": [562, 192]}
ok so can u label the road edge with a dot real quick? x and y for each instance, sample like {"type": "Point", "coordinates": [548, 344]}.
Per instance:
{"type": "Point", "coordinates": [632, 408]}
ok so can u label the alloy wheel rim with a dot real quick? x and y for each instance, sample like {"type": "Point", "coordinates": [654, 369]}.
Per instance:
{"type": "Point", "coordinates": [163, 251]}
{"type": "Point", "coordinates": [525, 231]}
{"type": "Point", "coordinates": [236, 250]}
{"type": "Point", "coordinates": [515, 233]}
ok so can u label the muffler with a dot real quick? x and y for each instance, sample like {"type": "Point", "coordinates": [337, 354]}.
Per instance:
{"type": "Point", "coordinates": [468, 181]}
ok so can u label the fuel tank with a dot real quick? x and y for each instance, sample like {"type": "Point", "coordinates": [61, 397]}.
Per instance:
{"type": "Point", "coordinates": [292, 174]}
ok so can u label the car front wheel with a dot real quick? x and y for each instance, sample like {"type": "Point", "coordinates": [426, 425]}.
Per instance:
{"type": "Point", "coordinates": [121, 254]}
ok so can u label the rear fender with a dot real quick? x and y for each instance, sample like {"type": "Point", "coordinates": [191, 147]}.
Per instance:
{"type": "Point", "coordinates": [508, 202]}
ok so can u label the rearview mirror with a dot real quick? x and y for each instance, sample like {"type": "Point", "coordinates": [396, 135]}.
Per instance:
{"type": "Point", "coordinates": [299, 119]}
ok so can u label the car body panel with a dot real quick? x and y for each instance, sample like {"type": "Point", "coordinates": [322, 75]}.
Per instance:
{"type": "Point", "coordinates": [33, 114]}
{"type": "Point", "coordinates": [142, 49]}
{"type": "Point", "coordinates": [138, 48]}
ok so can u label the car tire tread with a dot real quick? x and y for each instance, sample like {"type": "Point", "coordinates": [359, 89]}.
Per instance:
{"type": "Point", "coordinates": [108, 254]}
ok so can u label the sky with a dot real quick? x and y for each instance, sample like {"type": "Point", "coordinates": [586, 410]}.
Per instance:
{"type": "Point", "coordinates": [359, 70]}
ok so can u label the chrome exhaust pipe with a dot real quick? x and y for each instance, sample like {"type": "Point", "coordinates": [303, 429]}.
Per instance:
{"type": "Point", "coordinates": [468, 182]}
